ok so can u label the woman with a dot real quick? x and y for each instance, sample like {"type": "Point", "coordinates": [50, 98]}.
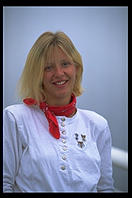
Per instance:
{"type": "Point", "coordinates": [50, 145]}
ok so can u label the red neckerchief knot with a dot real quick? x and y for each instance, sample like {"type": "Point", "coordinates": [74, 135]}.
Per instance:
{"type": "Point", "coordinates": [51, 112]}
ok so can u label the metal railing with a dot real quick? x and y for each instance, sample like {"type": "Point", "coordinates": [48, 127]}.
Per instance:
{"type": "Point", "coordinates": [119, 158]}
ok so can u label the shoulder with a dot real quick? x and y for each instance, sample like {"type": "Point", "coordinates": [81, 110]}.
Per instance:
{"type": "Point", "coordinates": [18, 110]}
{"type": "Point", "coordinates": [93, 118]}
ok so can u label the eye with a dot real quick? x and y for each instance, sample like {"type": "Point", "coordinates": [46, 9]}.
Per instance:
{"type": "Point", "coordinates": [48, 68]}
{"type": "Point", "coordinates": [66, 64]}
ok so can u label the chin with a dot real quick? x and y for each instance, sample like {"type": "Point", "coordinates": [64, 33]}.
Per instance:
{"type": "Point", "coordinates": [63, 94]}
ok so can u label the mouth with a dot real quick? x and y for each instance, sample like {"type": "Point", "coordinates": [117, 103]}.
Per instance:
{"type": "Point", "coordinates": [61, 83]}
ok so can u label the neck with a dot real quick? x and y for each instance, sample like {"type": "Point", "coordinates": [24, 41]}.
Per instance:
{"type": "Point", "coordinates": [58, 102]}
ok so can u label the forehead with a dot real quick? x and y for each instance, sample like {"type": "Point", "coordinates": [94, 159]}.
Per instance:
{"type": "Point", "coordinates": [56, 53]}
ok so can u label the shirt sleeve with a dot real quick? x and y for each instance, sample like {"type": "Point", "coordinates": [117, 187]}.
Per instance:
{"type": "Point", "coordinates": [12, 148]}
{"type": "Point", "coordinates": [104, 144]}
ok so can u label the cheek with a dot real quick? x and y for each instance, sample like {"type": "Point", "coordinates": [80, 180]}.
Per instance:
{"type": "Point", "coordinates": [46, 78]}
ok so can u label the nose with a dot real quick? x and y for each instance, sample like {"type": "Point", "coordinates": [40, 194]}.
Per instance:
{"type": "Point", "coordinates": [59, 71]}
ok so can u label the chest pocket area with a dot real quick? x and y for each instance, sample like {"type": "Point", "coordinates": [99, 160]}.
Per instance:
{"type": "Point", "coordinates": [85, 146]}
{"type": "Point", "coordinates": [85, 157]}
{"type": "Point", "coordinates": [82, 138]}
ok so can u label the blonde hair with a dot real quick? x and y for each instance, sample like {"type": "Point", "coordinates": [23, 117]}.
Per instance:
{"type": "Point", "coordinates": [31, 80]}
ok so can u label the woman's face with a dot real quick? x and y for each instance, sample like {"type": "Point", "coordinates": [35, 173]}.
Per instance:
{"type": "Point", "coordinates": [59, 78]}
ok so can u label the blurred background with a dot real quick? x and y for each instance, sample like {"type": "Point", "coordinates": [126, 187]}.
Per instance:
{"type": "Point", "coordinates": [100, 34]}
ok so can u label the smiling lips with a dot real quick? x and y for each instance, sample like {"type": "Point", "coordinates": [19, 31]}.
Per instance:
{"type": "Point", "coordinates": [60, 83]}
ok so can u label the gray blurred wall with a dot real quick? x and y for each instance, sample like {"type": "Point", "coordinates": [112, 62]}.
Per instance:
{"type": "Point", "coordinates": [101, 36]}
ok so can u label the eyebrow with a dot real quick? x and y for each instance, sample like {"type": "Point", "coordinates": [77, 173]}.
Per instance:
{"type": "Point", "coordinates": [63, 60]}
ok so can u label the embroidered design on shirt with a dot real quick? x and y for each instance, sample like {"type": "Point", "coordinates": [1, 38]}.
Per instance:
{"type": "Point", "coordinates": [76, 136]}
{"type": "Point", "coordinates": [80, 143]}
{"type": "Point", "coordinates": [83, 137]}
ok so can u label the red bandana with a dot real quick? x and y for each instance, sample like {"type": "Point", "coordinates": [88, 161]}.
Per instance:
{"type": "Point", "coordinates": [51, 111]}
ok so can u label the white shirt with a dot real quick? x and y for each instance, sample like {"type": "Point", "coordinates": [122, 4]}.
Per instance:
{"type": "Point", "coordinates": [34, 161]}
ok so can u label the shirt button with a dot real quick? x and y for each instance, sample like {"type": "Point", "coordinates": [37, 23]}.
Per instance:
{"type": "Point", "coordinates": [63, 167]}
{"type": "Point", "coordinates": [63, 119]}
{"type": "Point", "coordinates": [64, 132]}
{"type": "Point", "coordinates": [64, 157]}
{"type": "Point", "coordinates": [62, 124]}
{"type": "Point", "coordinates": [64, 141]}
{"type": "Point", "coordinates": [64, 148]}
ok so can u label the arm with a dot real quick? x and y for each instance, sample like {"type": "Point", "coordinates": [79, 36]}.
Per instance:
{"type": "Point", "coordinates": [104, 145]}
{"type": "Point", "coordinates": [11, 151]}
